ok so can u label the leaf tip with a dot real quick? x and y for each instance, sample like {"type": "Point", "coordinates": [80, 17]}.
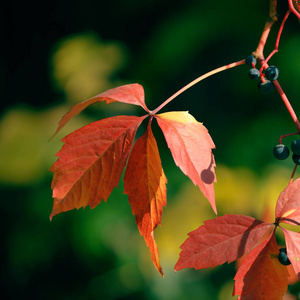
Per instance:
{"type": "Point", "coordinates": [178, 266]}
{"type": "Point", "coordinates": [54, 134]}
{"type": "Point", "coordinates": [161, 272]}
{"type": "Point", "coordinates": [215, 211]}
{"type": "Point", "coordinates": [53, 213]}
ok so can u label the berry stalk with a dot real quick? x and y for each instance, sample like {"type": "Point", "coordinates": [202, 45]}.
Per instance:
{"type": "Point", "coordinates": [286, 135]}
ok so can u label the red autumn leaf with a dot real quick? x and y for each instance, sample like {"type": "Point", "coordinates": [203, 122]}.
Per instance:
{"type": "Point", "coordinates": [220, 240]}
{"type": "Point", "coordinates": [91, 162]}
{"type": "Point", "coordinates": [292, 240]}
{"type": "Point", "coordinates": [145, 185]}
{"type": "Point", "coordinates": [130, 93]}
{"type": "Point", "coordinates": [288, 204]}
{"type": "Point", "coordinates": [261, 276]}
{"type": "Point", "coordinates": [191, 147]}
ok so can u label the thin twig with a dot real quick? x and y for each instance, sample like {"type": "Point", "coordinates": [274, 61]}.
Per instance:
{"type": "Point", "coordinates": [276, 43]}
{"type": "Point", "coordinates": [272, 18]}
{"type": "Point", "coordinates": [286, 135]}
{"type": "Point", "coordinates": [287, 104]}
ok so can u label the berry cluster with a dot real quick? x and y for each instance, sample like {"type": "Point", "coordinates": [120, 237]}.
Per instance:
{"type": "Point", "coordinates": [265, 83]}
{"type": "Point", "coordinates": [282, 152]}
{"type": "Point", "coordinates": [282, 257]}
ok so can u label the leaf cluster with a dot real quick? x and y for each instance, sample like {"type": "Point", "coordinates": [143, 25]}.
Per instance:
{"type": "Point", "coordinates": [230, 237]}
{"type": "Point", "coordinates": [92, 159]}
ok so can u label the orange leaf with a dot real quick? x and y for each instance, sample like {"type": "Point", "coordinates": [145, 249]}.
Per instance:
{"type": "Point", "coordinates": [220, 240]}
{"type": "Point", "coordinates": [261, 276]}
{"type": "Point", "coordinates": [292, 240]}
{"type": "Point", "coordinates": [145, 185]}
{"type": "Point", "coordinates": [191, 145]}
{"type": "Point", "coordinates": [91, 162]}
{"type": "Point", "coordinates": [130, 93]}
{"type": "Point", "coordinates": [288, 203]}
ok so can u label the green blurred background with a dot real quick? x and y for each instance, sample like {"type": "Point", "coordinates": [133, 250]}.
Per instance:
{"type": "Point", "coordinates": [55, 54]}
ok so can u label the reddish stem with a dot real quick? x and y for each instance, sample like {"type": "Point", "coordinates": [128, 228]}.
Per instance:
{"type": "Point", "coordinates": [292, 9]}
{"type": "Point", "coordinates": [208, 74]}
{"type": "Point", "coordinates": [286, 135]}
{"type": "Point", "coordinates": [287, 104]}
{"type": "Point", "coordinates": [280, 29]}
{"type": "Point", "coordinates": [258, 53]}
{"type": "Point", "coordinates": [276, 43]}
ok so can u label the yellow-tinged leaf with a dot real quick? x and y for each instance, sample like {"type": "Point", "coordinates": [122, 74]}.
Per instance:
{"type": "Point", "coordinates": [287, 207]}
{"type": "Point", "coordinates": [289, 212]}
{"type": "Point", "coordinates": [180, 117]}
{"type": "Point", "coordinates": [191, 147]}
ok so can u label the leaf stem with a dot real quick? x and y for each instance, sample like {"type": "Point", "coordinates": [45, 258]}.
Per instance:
{"type": "Point", "coordinates": [208, 74]}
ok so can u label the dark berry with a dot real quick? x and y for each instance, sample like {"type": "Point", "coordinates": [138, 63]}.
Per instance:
{"type": "Point", "coordinates": [272, 73]}
{"type": "Point", "coordinates": [253, 73]}
{"type": "Point", "coordinates": [250, 61]}
{"type": "Point", "coordinates": [296, 159]}
{"type": "Point", "coordinates": [281, 152]}
{"type": "Point", "coordinates": [282, 257]}
{"type": "Point", "coordinates": [265, 87]}
{"type": "Point", "coordinates": [295, 147]}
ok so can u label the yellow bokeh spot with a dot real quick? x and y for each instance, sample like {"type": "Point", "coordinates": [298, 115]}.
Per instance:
{"type": "Point", "coordinates": [26, 153]}
{"type": "Point", "coordinates": [83, 65]}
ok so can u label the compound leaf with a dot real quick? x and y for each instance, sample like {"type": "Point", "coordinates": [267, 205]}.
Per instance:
{"type": "Point", "coordinates": [145, 185]}
{"type": "Point", "coordinates": [220, 240]}
{"type": "Point", "coordinates": [261, 276]}
{"type": "Point", "coordinates": [130, 93]}
{"type": "Point", "coordinates": [191, 147]}
{"type": "Point", "coordinates": [91, 162]}
{"type": "Point", "coordinates": [292, 240]}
